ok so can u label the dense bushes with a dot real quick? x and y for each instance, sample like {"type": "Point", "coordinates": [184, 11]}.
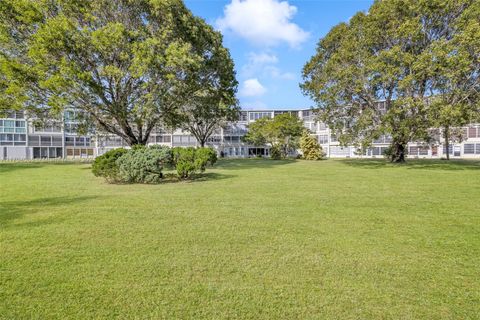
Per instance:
{"type": "Point", "coordinates": [188, 161]}
{"type": "Point", "coordinates": [204, 157]}
{"type": "Point", "coordinates": [105, 165]}
{"type": "Point", "coordinates": [145, 164]}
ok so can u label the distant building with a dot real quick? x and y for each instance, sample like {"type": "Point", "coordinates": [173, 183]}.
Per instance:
{"type": "Point", "coordinates": [22, 138]}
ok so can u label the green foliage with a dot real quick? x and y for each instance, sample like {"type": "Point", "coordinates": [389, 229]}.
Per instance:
{"type": "Point", "coordinates": [105, 165]}
{"type": "Point", "coordinates": [143, 164]}
{"type": "Point", "coordinates": [126, 64]}
{"type": "Point", "coordinates": [204, 157]}
{"type": "Point", "coordinates": [281, 132]}
{"type": "Point", "coordinates": [184, 162]}
{"type": "Point", "coordinates": [275, 152]}
{"type": "Point", "coordinates": [311, 150]}
{"type": "Point", "coordinates": [188, 161]}
{"type": "Point", "coordinates": [402, 52]}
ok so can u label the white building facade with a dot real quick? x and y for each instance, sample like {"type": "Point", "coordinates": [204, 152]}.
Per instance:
{"type": "Point", "coordinates": [24, 139]}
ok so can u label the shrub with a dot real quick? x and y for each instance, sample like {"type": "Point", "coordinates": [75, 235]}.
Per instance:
{"type": "Point", "coordinates": [310, 148]}
{"type": "Point", "coordinates": [188, 161]}
{"type": "Point", "coordinates": [275, 152]}
{"type": "Point", "coordinates": [143, 164]}
{"type": "Point", "coordinates": [106, 166]}
{"type": "Point", "coordinates": [204, 157]}
{"type": "Point", "coordinates": [184, 162]}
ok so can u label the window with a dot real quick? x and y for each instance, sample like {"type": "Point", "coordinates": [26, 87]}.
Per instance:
{"type": "Point", "coordinates": [243, 116]}
{"type": "Point", "coordinates": [8, 139]}
{"type": "Point", "coordinates": [323, 139]}
{"type": "Point", "coordinates": [259, 115]}
{"type": "Point", "coordinates": [340, 151]}
{"type": "Point", "coordinates": [472, 132]}
{"type": "Point", "coordinates": [46, 152]}
{"type": "Point", "coordinates": [450, 149]}
{"type": "Point", "coordinates": [423, 151]}
{"type": "Point", "coordinates": [162, 139]}
{"type": "Point", "coordinates": [45, 140]}
{"type": "Point", "coordinates": [69, 141]}
{"type": "Point", "coordinates": [418, 151]}
{"type": "Point", "coordinates": [469, 148]}
{"type": "Point", "coordinates": [19, 137]}
{"type": "Point", "coordinates": [79, 141]}
{"type": "Point", "coordinates": [57, 140]}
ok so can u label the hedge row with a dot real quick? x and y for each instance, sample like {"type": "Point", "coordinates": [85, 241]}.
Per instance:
{"type": "Point", "coordinates": [143, 164]}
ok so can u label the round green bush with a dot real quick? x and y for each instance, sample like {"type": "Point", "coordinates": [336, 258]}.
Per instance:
{"type": "Point", "coordinates": [105, 165]}
{"type": "Point", "coordinates": [184, 162]}
{"type": "Point", "coordinates": [143, 164]}
{"type": "Point", "coordinates": [204, 157]}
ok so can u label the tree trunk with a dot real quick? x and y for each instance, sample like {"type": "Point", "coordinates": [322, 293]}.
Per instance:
{"type": "Point", "coordinates": [202, 143]}
{"type": "Point", "coordinates": [446, 135]}
{"type": "Point", "coordinates": [398, 152]}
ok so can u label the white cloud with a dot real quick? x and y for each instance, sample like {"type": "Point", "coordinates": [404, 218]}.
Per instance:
{"type": "Point", "coordinates": [262, 58]}
{"type": "Point", "coordinates": [263, 22]}
{"type": "Point", "coordinates": [264, 64]}
{"type": "Point", "coordinates": [276, 73]}
{"type": "Point", "coordinates": [252, 88]}
{"type": "Point", "coordinates": [256, 62]}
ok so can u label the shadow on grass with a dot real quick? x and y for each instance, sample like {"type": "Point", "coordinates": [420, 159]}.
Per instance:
{"type": "Point", "coordinates": [11, 167]}
{"type": "Point", "coordinates": [242, 164]}
{"type": "Point", "coordinates": [171, 177]}
{"type": "Point", "coordinates": [13, 210]}
{"type": "Point", "coordinates": [426, 164]}
{"type": "Point", "coordinates": [6, 167]}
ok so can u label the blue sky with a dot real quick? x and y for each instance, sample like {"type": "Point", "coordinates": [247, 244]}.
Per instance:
{"type": "Point", "coordinates": [271, 40]}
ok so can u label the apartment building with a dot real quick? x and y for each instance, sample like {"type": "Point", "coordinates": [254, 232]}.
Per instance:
{"type": "Point", "coordinates": [22, 138]}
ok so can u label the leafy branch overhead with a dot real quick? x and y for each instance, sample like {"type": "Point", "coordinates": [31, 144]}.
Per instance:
{"type": "Point", "coordinates": [128, 65]}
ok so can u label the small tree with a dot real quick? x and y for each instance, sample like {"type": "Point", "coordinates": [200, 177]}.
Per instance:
{"type": "Point", "coordinates": [310, 148]}
{"type": "Point", "coordinates": [281, 132]}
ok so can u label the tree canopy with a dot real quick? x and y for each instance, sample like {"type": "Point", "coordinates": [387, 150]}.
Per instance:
{"type": "Point", "coordinates": [126, 64]}
{"type": "Point", "coordinates": [407, 53]}
{"type": "Point", "coordinates": [281, 132]}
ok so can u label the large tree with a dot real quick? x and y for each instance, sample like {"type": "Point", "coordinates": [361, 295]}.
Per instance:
{"type": "Point", "coordinates": [384, 55]}
{"type": "Point", "coordinates": [126, 64]}
{"type": "Point", "coordinates": [455, 74]}
{"type": "Point", "coordinates": [281, 132]}
{"type": "Point", "coordinates": [211, 102]}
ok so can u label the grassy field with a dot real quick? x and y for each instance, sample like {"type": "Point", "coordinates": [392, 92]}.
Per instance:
{"type": "Point", "coordinates": [253, 239]}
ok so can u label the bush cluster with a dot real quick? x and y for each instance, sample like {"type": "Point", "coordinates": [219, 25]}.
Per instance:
{"type": "Point", "coordinates": [188, 161]}
{"type": "Point", "coordinates": [143, 164]}
{"type": "Point", "coordinates": [106, 166]}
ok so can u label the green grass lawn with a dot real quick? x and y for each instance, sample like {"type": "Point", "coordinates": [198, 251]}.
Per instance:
{"type": "Point", "coordinates": [253, 239]}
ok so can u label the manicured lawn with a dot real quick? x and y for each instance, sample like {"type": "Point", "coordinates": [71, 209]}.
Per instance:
{"type": "Point", "coordinates": [255, 239]}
